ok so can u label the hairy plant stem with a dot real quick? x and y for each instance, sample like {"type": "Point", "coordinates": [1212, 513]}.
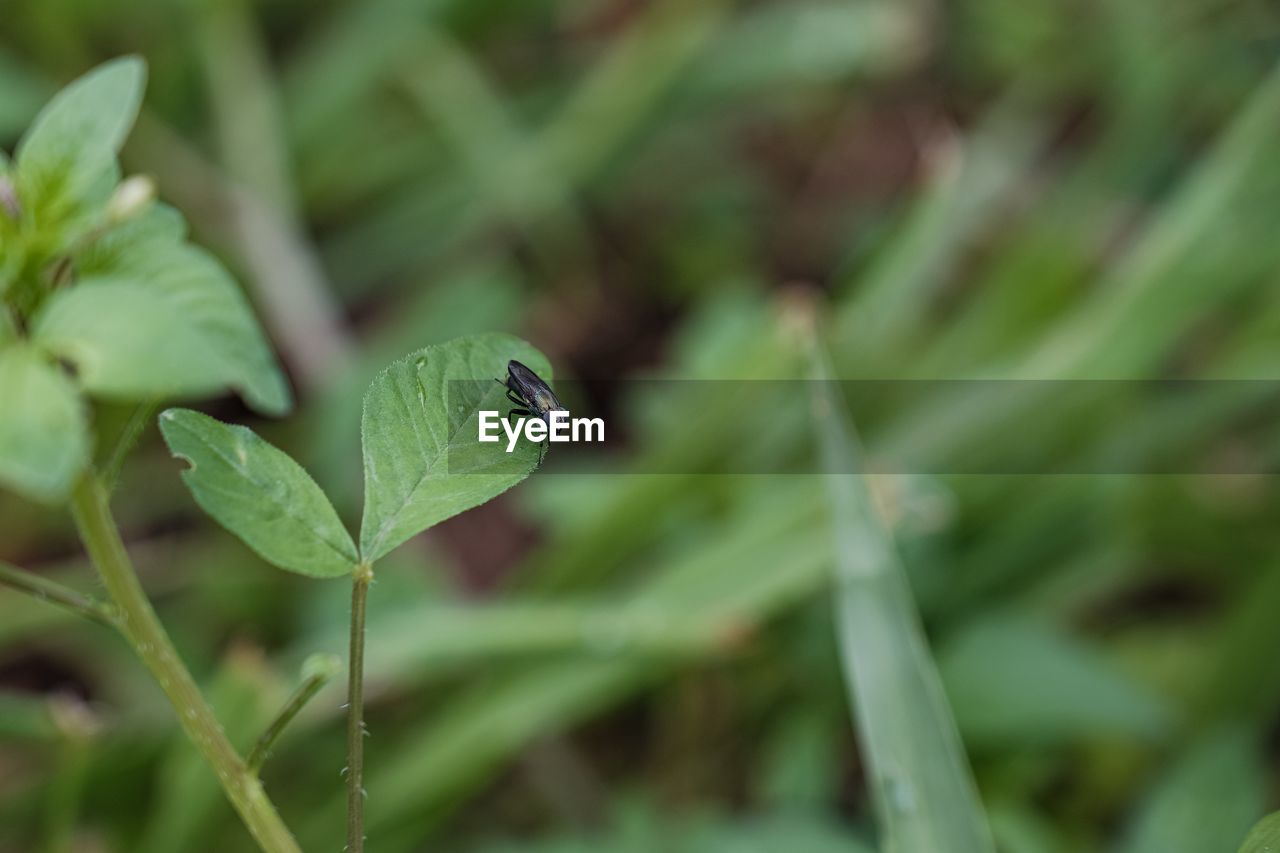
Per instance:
{"type": "Point", "coordinates": [355, 711]}
{"type": "Point", "coordinates": [141, 627]}
{"type": "Point", "coordinates": [55, 593]}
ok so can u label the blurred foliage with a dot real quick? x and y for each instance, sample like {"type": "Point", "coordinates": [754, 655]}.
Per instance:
{"type": "Point", "coordinates": [983, 188]}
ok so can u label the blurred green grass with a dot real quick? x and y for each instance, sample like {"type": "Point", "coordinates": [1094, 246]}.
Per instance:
{"type": "Point", "coordinates": [981, 189]}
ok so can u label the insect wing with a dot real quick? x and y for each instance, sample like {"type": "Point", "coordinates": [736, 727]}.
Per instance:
{"type": "Point", "coordinates": [545, 400]}
{"type": "Point", "coordinates": [530, 386]}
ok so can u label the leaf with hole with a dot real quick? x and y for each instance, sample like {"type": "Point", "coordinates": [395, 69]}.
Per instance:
{"type": "Point", "coordinates": [260, 494]}
{"type": "Point", "coordinates": [422, 460]}
{"type": "Point", "coordinates": [44, 437]}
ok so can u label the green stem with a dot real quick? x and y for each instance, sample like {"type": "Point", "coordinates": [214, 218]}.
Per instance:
{"type": "Point", "coordinates": [317, 672]}
{"type": "Point", "coordinates": [129, 434]}
{"type": "Point", "coordinates": [55, 593]}
{"type": "Point", "coordinates": [355, 711]}
{"type": "Point", "coordinates": [142, 628]}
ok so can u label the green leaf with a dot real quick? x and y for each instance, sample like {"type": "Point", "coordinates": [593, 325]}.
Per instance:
{"type": "Point", "coordinates": [74, 140]}
{"type": "Point", "coordinates": [1014, 680]}
{"type": "Point", "coordinates": [219, 313]}
{"type": "Point", "coordinates": [1207, 800]}
{"type": "Point", "coordinates": [150, 249]}
{"type": "Point", "coordinates": [177, 326]}
{"type": "Point", "coordinates": [422, 461]}
{"type": "Point", "coordinates": [125, 343]}
{"type": "Point", "coordinates": [260, 494]}
{"type": "Point", "coordinates": [1264, 837]}
{"type": "Point", "coordinates": [130, 247]}
{"type": "Point", "coordinates": [44, 441]}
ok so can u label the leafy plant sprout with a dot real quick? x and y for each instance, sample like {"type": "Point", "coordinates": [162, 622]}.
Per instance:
{"type": "Point", "coordinates": [105, 300]}
{"type": "Point", "coordinates": [422, 465]}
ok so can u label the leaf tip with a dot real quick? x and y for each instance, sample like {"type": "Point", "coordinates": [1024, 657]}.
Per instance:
{"type": "Point", "coordinates": [130, 69]}
{"type": "Point", "coordinates": [168, 418]}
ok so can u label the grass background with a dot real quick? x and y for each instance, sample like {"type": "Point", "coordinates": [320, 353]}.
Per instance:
{"type": "Point", "coordinates": [984, 188]}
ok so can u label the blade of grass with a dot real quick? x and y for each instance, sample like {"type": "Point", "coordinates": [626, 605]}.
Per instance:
{"type": "Point", "coordinates": [625, 87]}
{"type": "Point", "coordinates": [245, 103]}
{"type": "Point", "coordinates": [346, 56]}
{"type": "Point", "coordinates": [509, 176]}
{"type": "Point", "coordinates": [1103, 337]}
{"type": "Point", "coordinates": [920, 776]}
{"type": "Point", "coordinates": [970, 184]}
{"type": "Point", "coordinates": [595, 122]}
{"type": "Point", "coordinates": [77, 727]}
{"type": "Point", "coordinates": [427, 642]}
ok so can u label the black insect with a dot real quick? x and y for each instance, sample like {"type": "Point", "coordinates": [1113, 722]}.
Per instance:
{"type": "Point", "coordinates": [527, 390]}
